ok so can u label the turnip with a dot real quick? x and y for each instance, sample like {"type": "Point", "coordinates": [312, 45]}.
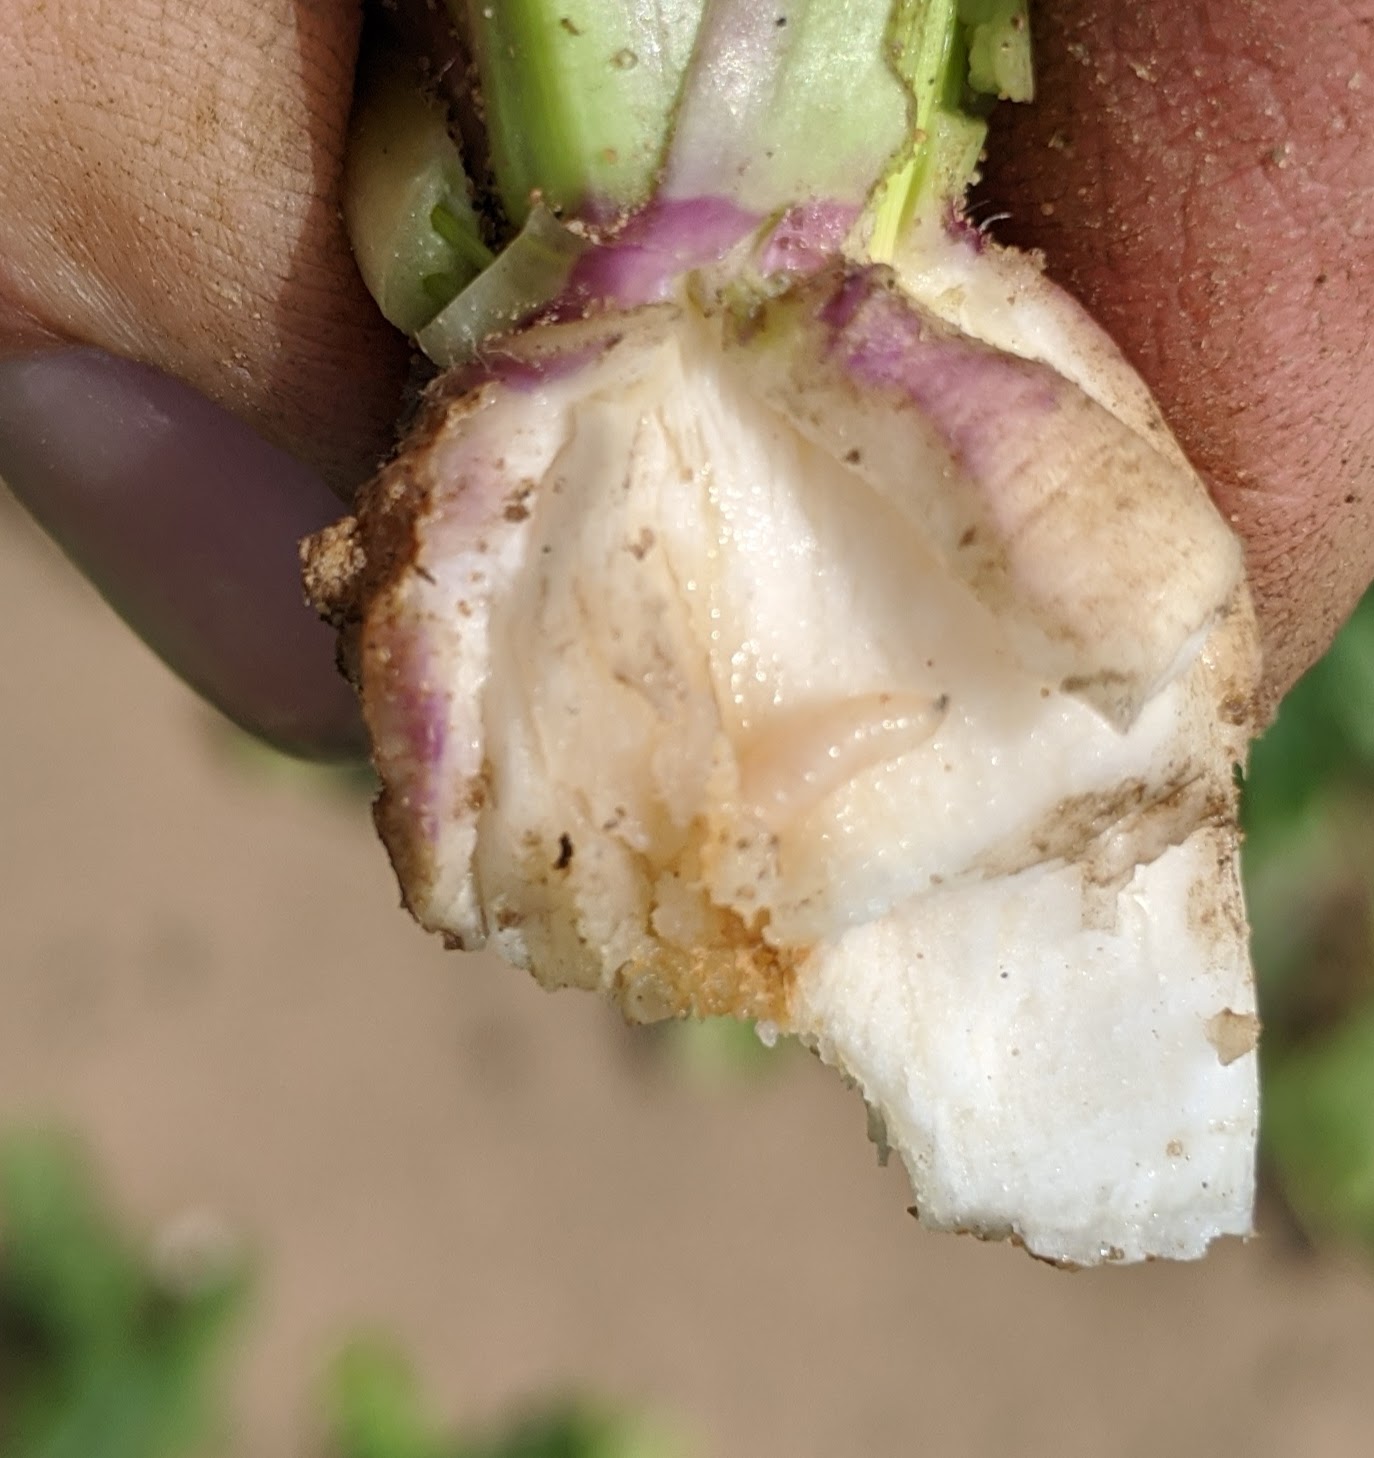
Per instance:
{"type": "Point", "coordinates": [789, 605]}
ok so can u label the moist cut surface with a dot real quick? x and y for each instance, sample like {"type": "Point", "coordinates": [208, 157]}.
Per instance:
{"type": "Point", "coordinates": [743, 660]}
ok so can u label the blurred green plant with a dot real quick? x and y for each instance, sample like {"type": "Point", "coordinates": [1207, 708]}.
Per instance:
{"type": "Point", "coordinates": [110, 1351]}
{"type": "Point", "coordinates": [1319, 1128]}
{"type": "Point", "coordinates": [102, 1354]}
{"type": "Point", "coordinates": [1309, 873]}
{"type": "Point", "coordinates": [715, 1051]}
{"type": "Point", "coordinates": [375, 1410]}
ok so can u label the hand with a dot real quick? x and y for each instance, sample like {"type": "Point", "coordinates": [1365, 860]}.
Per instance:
{"type": "Point", "coordinates": [1200, 177]}
{"type": "Point", "coordinates": [170, 177]}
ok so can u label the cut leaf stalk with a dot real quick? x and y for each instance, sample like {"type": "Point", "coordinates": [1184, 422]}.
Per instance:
{"type": "Point", "coordinates": [579, 97]}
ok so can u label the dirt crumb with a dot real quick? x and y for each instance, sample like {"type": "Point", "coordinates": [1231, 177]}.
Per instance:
{"type": "Point", "coordinates": [1233, 1034]}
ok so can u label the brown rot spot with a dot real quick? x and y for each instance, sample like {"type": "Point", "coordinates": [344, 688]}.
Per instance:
{"type": "Point", "coordinates": [1174, 1149]}
{"type": "Point", "coordinates": [507, 917]}
{"type": "Point", "coordinates": [642, 544]}
{"type": "Point", "coordinates": [853, 457]}
{"type": "Point", "coordinates": [565, 852]}
{"type": "Point", "coordinates": [1235, 709]}
{"type": "Point", "coordinates": [969, 537]}
{"type": "Point", "coordinates": [1232, 1034]}
{"type": "Point", "coordinates": [516, 511]}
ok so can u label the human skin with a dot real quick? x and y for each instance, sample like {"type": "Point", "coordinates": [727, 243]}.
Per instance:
{"type": "Point", "coordinates": [1201, 176]}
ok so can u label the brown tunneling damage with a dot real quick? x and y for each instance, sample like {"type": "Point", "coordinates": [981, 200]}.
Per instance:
{"type": "Point", "coordinates": [736, 973]}
{"type": "Point", "coordinates": [751, 981]}
{"type": "Point", "coordinates": [1080, 827]}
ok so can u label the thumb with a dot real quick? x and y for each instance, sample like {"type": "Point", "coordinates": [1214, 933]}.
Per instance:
{"type": "Point", "coordinates": [1202, 177]}
{"type": "Point", "coordinates": [170, 178]}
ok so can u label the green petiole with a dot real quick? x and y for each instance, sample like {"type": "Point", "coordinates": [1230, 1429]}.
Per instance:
{"type": "Point", "coordinates": [595, 108]}
{"type": "Point", "coordinates": [579, 96]}
{"type": "Point", "coordinates": [458, 233]}
{"type": "Point", "coordinates": [415, 234]}
{"type": "Point", "coordinates": [951, 55]}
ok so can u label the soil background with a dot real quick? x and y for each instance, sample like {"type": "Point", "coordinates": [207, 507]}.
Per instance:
{"type": "Point", "coordinates": [204, 972]}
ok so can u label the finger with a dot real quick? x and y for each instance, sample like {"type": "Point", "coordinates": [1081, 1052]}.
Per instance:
{"type": "Point", "coordinates": [170, 177]}
{"type": "Point", "coordinates": [1202, 176]}
{"type": "Point", "coordinates": [187, 522]}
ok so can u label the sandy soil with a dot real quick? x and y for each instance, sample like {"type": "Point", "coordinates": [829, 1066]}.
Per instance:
{"type": "Point", "coordinates": [202, 968]}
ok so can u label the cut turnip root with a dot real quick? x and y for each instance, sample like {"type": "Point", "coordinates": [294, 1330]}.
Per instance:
{"type": "Point", "coordinates": [804, 615]}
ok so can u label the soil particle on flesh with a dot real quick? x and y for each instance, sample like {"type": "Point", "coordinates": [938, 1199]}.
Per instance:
{"type": "Point", "coordinates": [1232, 1034]}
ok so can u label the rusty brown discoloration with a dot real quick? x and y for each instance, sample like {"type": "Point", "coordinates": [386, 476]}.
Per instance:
{"type": "Point", "coordinates": [741, 976]}
{"type": "Point", "coordinates": [1232, 1034]}
{"type": "Point", "coordinates": [712, 984]}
